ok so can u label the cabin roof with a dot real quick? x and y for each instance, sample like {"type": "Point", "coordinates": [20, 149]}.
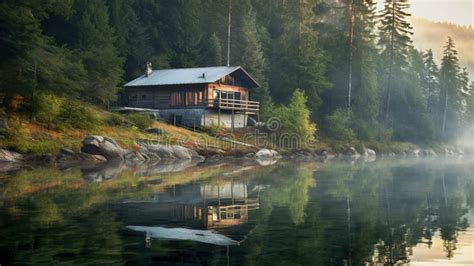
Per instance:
{"type": "Point", "coordinates": [180, 76]}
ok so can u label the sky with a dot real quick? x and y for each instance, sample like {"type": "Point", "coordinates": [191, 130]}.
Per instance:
{"type": "Point", "coordinates": [454, 11]}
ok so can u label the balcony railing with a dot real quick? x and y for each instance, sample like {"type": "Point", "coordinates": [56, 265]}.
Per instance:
{"type": "Point", "coordinates": [237, 105]}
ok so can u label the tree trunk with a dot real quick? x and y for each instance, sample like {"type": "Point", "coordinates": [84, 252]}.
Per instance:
{"type": "Point", "coordinates": [443, 129]}
{"type": "Point", "coordinates": [351, 54]}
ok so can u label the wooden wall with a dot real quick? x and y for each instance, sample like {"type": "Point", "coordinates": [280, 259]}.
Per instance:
{"type": "Point", "coordinates": [160, 97]}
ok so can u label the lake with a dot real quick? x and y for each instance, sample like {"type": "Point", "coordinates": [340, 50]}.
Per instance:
{"type": "Point", "coordinates": [387, 212]}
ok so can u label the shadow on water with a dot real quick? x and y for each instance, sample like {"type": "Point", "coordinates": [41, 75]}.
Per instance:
{"type": "Point", "coordinates": [380, 213]}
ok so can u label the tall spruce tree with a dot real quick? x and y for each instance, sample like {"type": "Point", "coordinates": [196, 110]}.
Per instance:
{"type": "Point", "coordinates": [182, 26]}
{"type": "Point", "coordinates": [30, 60]}
{"type": "Point", "coordinates": [363, 81]}
{"type": "Point", "coordinates": [348, 31]}
{"type": "Point", "coordinates": [95, 44]}
{"type": "Point", "coordinates": [395, 42]}
{"type": "Point", "coordinates": [246, 50]}
{"type": "Point", "coordinates": [430, 81]}
{"type": "Point", "coordinates": [470, 107]}
{"type": "Point", "coordinates": [449, 88]}
{"type": "Point", "coordinates": [464, 93]}
{"type": "Point", "coordinates": [296, 60]}
{"type": "Point", "coordinates": [211, 53]}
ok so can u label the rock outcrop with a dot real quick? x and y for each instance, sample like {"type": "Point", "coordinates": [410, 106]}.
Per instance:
{"type": "Point", "coordinates": [67, 155]}
{"type": "Point", "coordinates": [103, 146]}
{"type": "Point", "coordinates": [10, 156]}
{"type": "Point", "coordinates": [168, 152]}
{"type": "Point", "coordinates": [267, 154]}
{"type": "Point", "coordinates": [101, 149]}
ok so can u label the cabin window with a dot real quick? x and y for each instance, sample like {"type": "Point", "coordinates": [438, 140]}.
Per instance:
{"type": "Point", "coordinates": [178, 98]}
{"type": "Point", "coordinates": [190, 98]}
{"type": "Point", "coordinates": [228, 95]}
{"type": "Point", "coordinates": [237, 96]}
{"type": "Point", "coordinates": [198, 97]}
{"type": "Point", "coordinates": [187, 98]}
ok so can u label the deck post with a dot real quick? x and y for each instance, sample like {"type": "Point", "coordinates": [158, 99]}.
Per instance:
{"type": "Point", "coordinates": [219, 111]}
{"type": "Point", "coordinates": [233, 117]}
{"type": "Point", "coordinates": [245, 118]}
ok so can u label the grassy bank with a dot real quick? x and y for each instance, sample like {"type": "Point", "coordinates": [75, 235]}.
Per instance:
{"type": "Point", "coordinates": [33, 137]}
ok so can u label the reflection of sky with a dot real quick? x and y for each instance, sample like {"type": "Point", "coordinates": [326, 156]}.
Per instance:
{"type": "Point", "coordinates": [454, 11]}
{"type": "Point", "coordinates": [463, 255]}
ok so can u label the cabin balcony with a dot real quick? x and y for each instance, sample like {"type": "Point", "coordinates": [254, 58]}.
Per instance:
{"type": "Point", "coordinates": [246, 106]}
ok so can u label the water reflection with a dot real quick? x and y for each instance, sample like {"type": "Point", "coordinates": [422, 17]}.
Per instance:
{"type": "Point", "coordinates": [382, 213]}
{"type": "Point", "coordinates": [222, 206]}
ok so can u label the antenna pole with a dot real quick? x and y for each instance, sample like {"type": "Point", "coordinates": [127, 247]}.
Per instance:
{"type": "Point", "coordinates": [228, 33]}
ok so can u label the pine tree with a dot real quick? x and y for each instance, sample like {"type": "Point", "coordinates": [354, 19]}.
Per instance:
{"type": "Point", "coordinates": [95, 41]}
{"type": "Point", "coordinates": [470, 106]}
{"type": "Point", "coordinates": [449, 88]}
{"type": "Point", "coordinates": [246, 50]}
{"type": "Point", "coordinates": [464, 91]}
{"type": "Point", "coordinates": [395, 42]}
{"type": "Point", "coordinates": [183, 31]}
{"type": "Point", "coordinates": [363, 82]}
{"type": "Point", "coordinates": [30, 60]}
{"type": "Point", "coordinates": [211, 53]}
{"type": "Point", "coordinates": [296, 59]}
{"type": "Point", "coordinates": [430, 80]}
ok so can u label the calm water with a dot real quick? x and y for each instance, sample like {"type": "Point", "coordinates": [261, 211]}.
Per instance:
{"type": "Point", "coordinates": [380, 213]}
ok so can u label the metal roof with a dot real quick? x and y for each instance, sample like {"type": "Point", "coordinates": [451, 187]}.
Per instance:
{"type": "Point", "coordinates": [199, 75]}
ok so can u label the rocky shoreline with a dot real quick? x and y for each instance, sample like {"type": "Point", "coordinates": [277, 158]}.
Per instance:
{"type": "Point", "coordinates": [101, 149]}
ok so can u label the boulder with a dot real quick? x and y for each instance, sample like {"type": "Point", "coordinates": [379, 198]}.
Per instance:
{"type": "Point", "coordinates": [371, 153]}
{"type": "Point", "coordinates": [67, 155]}
{"type": "Point", "coordinates": [267, 154]}
{"type": "Point", "coordinates": [328, 156]}
{"type": "Point", "coordinates": [168, 152]}
{"type": "Point", "coordinates": [415, 153]}
{"type": "Point", "coordinates": [429, 153]}
{"type": "Point", "coordinates": [10, 156]}
{"type": "Point", "coordinates": [103, 146]}
{"type": "Point", "coordinates": [352, 152]}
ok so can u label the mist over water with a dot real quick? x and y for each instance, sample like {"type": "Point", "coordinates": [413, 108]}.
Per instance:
{"type": "Point", "coordinates": [466, 140]}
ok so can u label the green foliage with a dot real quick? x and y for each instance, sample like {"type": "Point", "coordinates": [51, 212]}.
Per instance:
{"type": "Point", "coordinates": [142, 121]}
{"type": "Point", "coordinates": [115, 120]}
{"type": "Point", "coordinates": [338, 126]}
{"type": "Point", "coordinates": [295, 118]}
{"type": "Point", "coordinates": [16, 131]}
{"type": "Point", "coordinates": [28, 146]}
{"type": "Point", "coordinates": [214, 129]}
{"type": "Point", "coordinates": [47, 108]}
{"type": "Point", "coordinates": [76, 115]}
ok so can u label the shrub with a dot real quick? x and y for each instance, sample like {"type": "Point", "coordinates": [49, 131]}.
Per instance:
{"type": "Point", "coordinates": [142, 121]}
{"type": "Point", "coordinates": [16, 131]}
{"type": "Point", "coordinates": [295, 118]}
{"type": "Point", "coordinates": [115, 120]}
{"type": "Point", "coordinates": [214, 129]}
{"type": "Point", "coordinates": [338, 126]}
{"type": "Point", "coordinates": [74, 115]}
{"type": "Point", "coordinates": [47, 108]}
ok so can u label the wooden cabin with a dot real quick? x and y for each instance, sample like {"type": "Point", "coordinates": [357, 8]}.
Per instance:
{"type": "Point", "coordinates": [195, 97]}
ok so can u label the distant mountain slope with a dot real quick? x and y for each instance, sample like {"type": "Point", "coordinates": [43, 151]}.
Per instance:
{"type": "Point", "coordinates": [430, 34]}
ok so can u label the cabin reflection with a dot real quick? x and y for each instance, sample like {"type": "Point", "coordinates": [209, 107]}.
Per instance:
{"type": "Point", "coordinates": [222, 206]}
